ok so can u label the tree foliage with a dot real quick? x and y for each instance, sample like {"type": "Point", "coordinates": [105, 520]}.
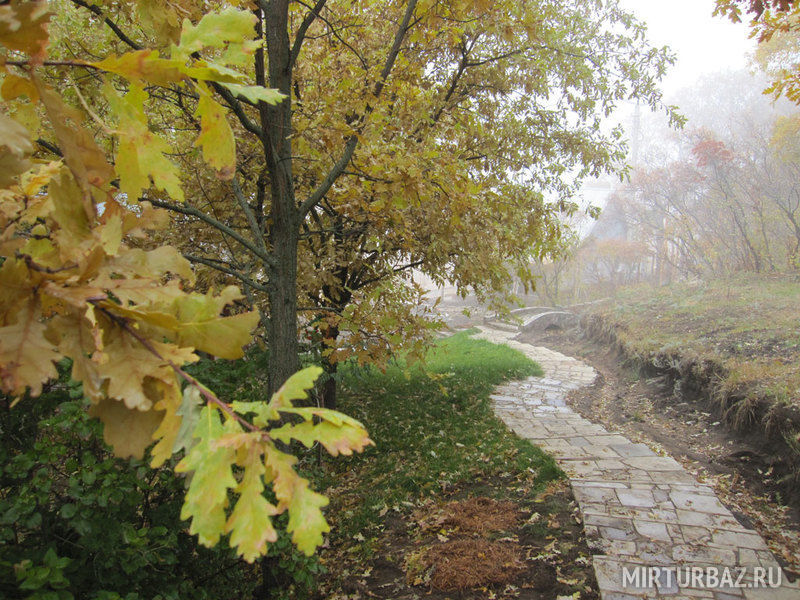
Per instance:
{"type": "Point", "coordinates": [78, 279]}
{"type": "Point", "coordinates": [443, 137]}
{"type": "Point", "coordinates": [725, 200]}
{"type": "Point", "coordinates": [776, 25]}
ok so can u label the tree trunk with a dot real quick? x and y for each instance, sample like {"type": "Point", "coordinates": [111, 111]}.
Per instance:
{"type": "Point", "coordinates": [329, 387]}
{"type": "Point", "coordinates": [276, 122]}
{"type": "Point", "coordinates": [283, 344]}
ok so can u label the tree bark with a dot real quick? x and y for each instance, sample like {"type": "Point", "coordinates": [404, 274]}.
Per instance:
{"type": "Point", "coordinates": [276, 123]}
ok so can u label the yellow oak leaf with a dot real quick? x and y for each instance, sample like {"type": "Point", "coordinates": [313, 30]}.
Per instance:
{"type": "Point", "coordinates": [201, 326]}
{"type": "Point", "coordinates": [82, 154]}
{"type": "Point", "coordinates": [212, 477]}
{"type": "Point", "coordinates": [75, 339]}
{"type": "Point", "coordinates": [295, 388]}
{"type": "Point", "coordinates": [141, 154]}
{"type": "Point", "coordinates": [74, 295]}
{"type": "Point", "coordinates": [16, 285]}
{"type": "Point", "coordinates": [337, 439]}
{"type": "Point", "coordinates": [306, 521]}
{"type": "Point", "coordinates": [15, 145]}
{"type": "Point", "coordinates": [126, 365]}
{"type": "Point", "coordinates": [168, 429]}
{"type": "Point", "coordinates": [138, 290]}
{"type": "Point", "coordinates": [111, 234]}
{"type": "Point", "coordinates": [14, 86]}
{"type": "Point", "coordinates": [143, 66]}
{"type": "Point", "coordinates": [23, 27]}
{"type": "Point", "coordinates": [224, 337]}
{"type": "Point", "coordinates": [14, 136]}
{"type": "Point", "coordinates": [217, 30]}
{"type": "Point", "coordinates": [256, 93]}
{"type": "Point", "coordinates": [250, 523]}
{"type": "Point", "coordinates": [33, 181]}
{"type": "Point", "coordinates": [148, 219]}
{"type": "Point", "coordinates": [11, 165]}
{"type": "Point", "coordinates": [163, 18]}
{"type": "Point", "coordinates": [216, 136]}
{"type": "Point", "coordinates": [155, 264]}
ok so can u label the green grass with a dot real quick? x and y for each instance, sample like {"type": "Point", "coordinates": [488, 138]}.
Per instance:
{"type": "Point", "coordinates": [434, 430]}
{"type": "Point", "coordinates": [750, 324]}
{"type": "Point", "coordinates": [435, 435]}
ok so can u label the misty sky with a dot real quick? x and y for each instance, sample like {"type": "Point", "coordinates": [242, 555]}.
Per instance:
{"type": "Point", "coordinates": [704, 44]}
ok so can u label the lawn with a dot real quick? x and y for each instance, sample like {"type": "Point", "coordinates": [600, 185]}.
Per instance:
{"type": "Point", "coordinates": [439, 449]}
{"type": "Point", "coordinates": [438, 441]}
{"type": "Point", "coordinates": [433, 427]}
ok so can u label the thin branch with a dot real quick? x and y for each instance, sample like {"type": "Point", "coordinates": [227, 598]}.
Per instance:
{"type": "Point", "coordinates": [336, 33]}
{"type": "Point", "coordinates": [114, 27]}
{"type": "Point", "coordinates": [255, 230]}
{"type": "Point", "coordinates": [191, 211]}
{"type": "Point", "coordinates": [350, 147]}
{"type": "Point", "coordinates": [400, 269]}
{"type": "Point", "coordinates": [50, 147]}
{"type": "Point", "coordinates": [227, 270]}
{"type": "Point", "coordinates": [52, 63]}
{"type": "Point", "coordinates": [332, 309]}
{"type": "Point", "coordinates": [301, 31]}
{"type": "Point", "coordinates": [236, 106]}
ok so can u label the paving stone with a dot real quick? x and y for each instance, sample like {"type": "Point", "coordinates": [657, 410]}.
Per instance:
{"type": "Point", "coordinates": [698, 502]}
{"type": "Point", "coordinates": [654, 463]}
{"type": "Point", "coordinates": [631, 450]}
{"type": "Point", "coordinates": [652, 530]}
{"type": "Point", "coordinates": [751, 541]}
{"type": "Point", "coordinates": [636, 498]}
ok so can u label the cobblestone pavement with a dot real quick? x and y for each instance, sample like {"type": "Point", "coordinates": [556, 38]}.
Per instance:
{"type": "Point", "coordinates": [658, 533]}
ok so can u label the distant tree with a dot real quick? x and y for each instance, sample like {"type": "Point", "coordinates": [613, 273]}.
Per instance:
{"type": "Point", "coordinates": [776, 25]}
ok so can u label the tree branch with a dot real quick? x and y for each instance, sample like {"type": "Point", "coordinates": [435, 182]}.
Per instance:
{"type": "Point", "coordinates": [191, 211]}
{"type": "Point", "coordinates": [255, 230]}
{"type": "Point", "coordinates": [50, 147]}
{"type": "Point", "coordinates": [301, 31]}
{"type": "Point", "coordinates": [350, 147]}
{"type": "Point", "coordinates": [237, 109]}
{"type": "Point", "coordinates": [227, 270]}
{"type": "Point", "coordinates": [113, 26]}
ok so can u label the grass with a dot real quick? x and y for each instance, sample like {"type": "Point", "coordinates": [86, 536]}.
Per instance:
{"type": "Point", "coordinates": [748, 324]}
{"type": "Point", "coordinates": [435, 437]}
{"type": "Point", "coordinates": [433, 431]}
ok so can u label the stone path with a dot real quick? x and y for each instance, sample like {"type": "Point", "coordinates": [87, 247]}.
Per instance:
{"type": "Point", "coordinates": [658, 532]}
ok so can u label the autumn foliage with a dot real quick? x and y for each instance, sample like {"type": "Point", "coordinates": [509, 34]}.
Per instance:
{"type": "Point", "coordinates": [80, 280]}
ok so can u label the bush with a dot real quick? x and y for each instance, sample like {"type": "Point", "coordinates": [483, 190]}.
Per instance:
{"type": "Point", "coordinates": [76, 522]}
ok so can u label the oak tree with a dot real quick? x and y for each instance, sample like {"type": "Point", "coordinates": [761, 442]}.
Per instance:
{"type": "Point", "coordinates": [82, 279]}
{"type": "Point", "coordinates": [444, 137]}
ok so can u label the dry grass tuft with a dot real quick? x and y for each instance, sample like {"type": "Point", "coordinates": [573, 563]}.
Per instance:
{"type": "Point", "coordinates": [473, 516]}
{"type": "Point", "coordinates": [471, 563]}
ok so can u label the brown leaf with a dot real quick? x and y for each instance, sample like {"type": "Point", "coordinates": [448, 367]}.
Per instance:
{"type": "Point", "coordinates": [127, 431]}
{"type": "Point", "coordinates": [23, 27]}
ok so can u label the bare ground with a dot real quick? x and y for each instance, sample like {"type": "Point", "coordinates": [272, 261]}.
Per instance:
{"type": "Point", "coordinates": [467, 546]}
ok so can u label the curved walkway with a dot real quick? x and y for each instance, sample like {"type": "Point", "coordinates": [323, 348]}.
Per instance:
{"type": "Point", "coordinates": [658, 532]}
